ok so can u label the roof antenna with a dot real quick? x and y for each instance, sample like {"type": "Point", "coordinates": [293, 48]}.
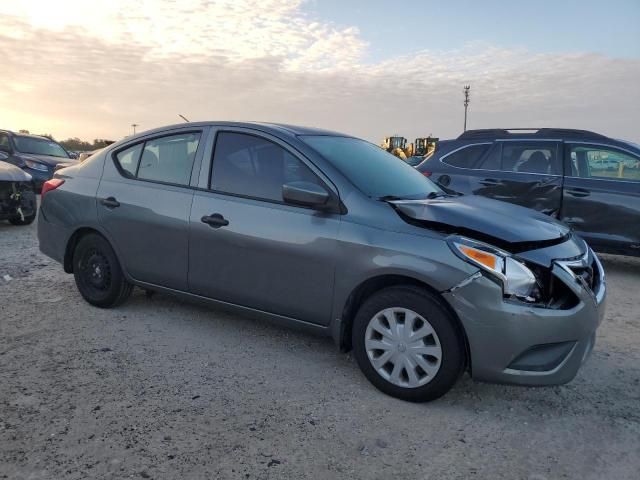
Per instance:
{"type": "Point", "coordinates": [184, 118]}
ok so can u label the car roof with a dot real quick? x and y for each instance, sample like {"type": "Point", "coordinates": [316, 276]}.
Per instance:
{"type": "Point", "coordinates": [30, 135]}
{"type": "Point", "coordinates": [263, 126]}
{"type": "Point", "coordinates": [564, 134]}
{"type": "Point", "coordinates": [532, 133]}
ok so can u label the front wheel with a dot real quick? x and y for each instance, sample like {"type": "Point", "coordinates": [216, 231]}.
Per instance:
{"type": "Point", "coordinates": [407, 345]}
{"type": "Point", "coordinates": [97, 272]}
{"type": "Point", "coordinates": [19, 221]}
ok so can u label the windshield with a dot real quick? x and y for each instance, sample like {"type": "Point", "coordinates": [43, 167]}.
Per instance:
{"type": "Point", "coordinates": [371, 169]}
{"type": "Point", "coordinates": [39, 146]}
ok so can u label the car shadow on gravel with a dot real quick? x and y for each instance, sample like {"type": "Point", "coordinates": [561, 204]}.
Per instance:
{"type": "Point", "coordinates": [587, 394]}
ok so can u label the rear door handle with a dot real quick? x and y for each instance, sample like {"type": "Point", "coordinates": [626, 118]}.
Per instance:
{"type": "Point", "coordinates": [110, 202]}
{"type": "Point", "coordinates": [215, 220]}
{"type": "Point", "coordinates": [490, 182]}
{"type": "Point", "coordinates": [578, 192]}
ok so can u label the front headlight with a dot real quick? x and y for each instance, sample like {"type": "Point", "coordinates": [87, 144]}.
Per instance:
{"type": "Point", "coordinates": [517, 280]}
{"type": "Point", "coordinates": [36, 165]}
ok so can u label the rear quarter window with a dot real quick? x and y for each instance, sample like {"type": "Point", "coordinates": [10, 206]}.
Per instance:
{"type": "Point", "coordinates": [128, 160]}
{"type": "Point", "coordinates": [466, 157]}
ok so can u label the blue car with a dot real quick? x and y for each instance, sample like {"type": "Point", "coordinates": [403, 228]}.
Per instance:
{"type": "Point", "coordinates": [36, 155]}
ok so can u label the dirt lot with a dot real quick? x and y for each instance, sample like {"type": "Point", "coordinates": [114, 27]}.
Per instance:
{"type": "Point", "coordinates": [159, 388]}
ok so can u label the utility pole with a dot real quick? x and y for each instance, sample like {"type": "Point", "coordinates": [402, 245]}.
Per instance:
{"type": "Point", "coordinates": [134, 125]}
{"type": "Point", "coordinates": [184, 118]}
{"type": "Point", "coordinates": [466, 104]}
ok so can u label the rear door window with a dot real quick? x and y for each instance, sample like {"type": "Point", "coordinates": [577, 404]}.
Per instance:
{"type": "Point", "coordinates": [525, 157]}
{"type": "Point", "coordinates": [128, 160]}
{"type": "Point", "coordinates": [604, 163]}
{"type": "Point", "coordinates": [169, 159]}
{"type": "Point", "coordinates": [466, 157]}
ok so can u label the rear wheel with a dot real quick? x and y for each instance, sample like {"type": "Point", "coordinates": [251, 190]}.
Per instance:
{"type": "Point", "coordinates": [406, 343]}
{"type": "Point", "coordinates": [97, 272]}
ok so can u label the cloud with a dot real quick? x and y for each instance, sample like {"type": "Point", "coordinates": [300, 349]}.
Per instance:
{"type": "Point", "coordinates": [92, 68]}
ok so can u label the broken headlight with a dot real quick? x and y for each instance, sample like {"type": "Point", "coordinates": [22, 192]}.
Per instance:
{"type": "Point", "coordinates": [516, 278]}
{"type": "Point", "coordinates": [36, 165]}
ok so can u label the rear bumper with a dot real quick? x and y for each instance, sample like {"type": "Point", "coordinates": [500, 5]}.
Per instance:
{"type": "Point", "coordinates": [515, 343]}
{"type": "Point", "coordinates": [52, 238]}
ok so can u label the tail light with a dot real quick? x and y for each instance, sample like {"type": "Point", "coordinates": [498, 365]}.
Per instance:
{"type": "Point", "coordinates": [50, 185]}
{"type": "Point", "coordinates": [427, 174]}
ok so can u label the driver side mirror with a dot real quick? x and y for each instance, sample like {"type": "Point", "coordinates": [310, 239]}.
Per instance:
{"type": "Point", "coordinates": [306, 194]}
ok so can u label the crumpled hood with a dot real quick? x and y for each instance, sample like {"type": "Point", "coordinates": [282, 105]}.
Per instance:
{"type": "Point", "coordinates": [48, 159]}
{"type": "Point", "coordinates": [11, 173]}
{"type": "Point", "coordinates": [491, 220]}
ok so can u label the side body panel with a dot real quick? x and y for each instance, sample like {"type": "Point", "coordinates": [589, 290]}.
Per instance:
{"type": "Point", "coordinates": [541, 192]}
{"type": "Point", "coordinates": [70, 207]}
{"type": "Point", "coordinates": [276, 258]}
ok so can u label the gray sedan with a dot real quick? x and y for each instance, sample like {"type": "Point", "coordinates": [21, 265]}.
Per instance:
{"type": "Point", "coordinates": [329, 233]}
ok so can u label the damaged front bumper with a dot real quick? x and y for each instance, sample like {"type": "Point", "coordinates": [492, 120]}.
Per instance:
{"type": "Point", "coordinates": [518, 343]}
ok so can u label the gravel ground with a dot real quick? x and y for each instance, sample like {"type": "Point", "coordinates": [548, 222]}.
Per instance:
{"type": "Point", "coordinates": [160, 388]}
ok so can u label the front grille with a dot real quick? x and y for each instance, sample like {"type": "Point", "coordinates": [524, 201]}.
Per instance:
{"type": "Point", "coordinates": [586, 270]}
{"type": "Point", "coordinates": [587, 274]}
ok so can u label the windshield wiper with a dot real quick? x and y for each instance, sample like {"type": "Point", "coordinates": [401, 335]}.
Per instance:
{"type": "Point", "coordinates": [430, 196]}
{"type": "Point", "coordinates": [433, 195]}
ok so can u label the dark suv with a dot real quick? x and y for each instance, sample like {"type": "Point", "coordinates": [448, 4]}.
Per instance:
{"type": "Point", "coordinates": [36, 155]}
{"type": "Point", "coordinates": [587, 180]}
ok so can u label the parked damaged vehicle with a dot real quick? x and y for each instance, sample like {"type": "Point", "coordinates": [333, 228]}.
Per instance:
{"type": "Point", "coordinates": [38, 156]}
{"type": "Point", "coordinates": [17, 195]}
{"type": "Point", "coordinates": [329, 233]}
{"type": "Point", "coordinates": [589, 181]}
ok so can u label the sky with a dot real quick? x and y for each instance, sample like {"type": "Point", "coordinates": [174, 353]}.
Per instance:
{"type": "Point", "coordinates": [89, 69]}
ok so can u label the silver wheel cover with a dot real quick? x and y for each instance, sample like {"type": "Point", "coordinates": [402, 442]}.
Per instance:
{"type": "Point", "coordinates": [403, 347]}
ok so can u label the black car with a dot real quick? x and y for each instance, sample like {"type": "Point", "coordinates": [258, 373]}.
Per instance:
{"type": "Point", "coordinates": [36, 155]}
{"type": "Point", "coordinates": [17, 195]}
{"type": "Point", "coordinates": [587, 180]}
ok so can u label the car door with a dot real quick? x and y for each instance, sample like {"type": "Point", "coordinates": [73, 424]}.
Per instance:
{"type": "Point", "coordinates": [524, 172]}
{"type": "Point", "coordinates": [454, 168]}
{"type": "Point", "coordinates": [143, 203]}
{"type": "Point", "coordinates": [601, 198]}
{"type": "Point", "coordinates": [260, 252]}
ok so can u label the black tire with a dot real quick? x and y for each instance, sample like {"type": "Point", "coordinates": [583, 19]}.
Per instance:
{"type": "Point", "coordinates": [429, 306]}
{"type": "Point", "coordinates": [19, 222]}
{"type": "Point", "coordinates": [97, 272]}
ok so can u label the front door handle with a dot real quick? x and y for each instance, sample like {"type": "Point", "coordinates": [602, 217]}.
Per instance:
{"type": "Point", "coordinates": [578, 192]}
{"type": "Point", "coordinates": [110, 202]}
{"type": "Point", "coordinates": [215, 220]}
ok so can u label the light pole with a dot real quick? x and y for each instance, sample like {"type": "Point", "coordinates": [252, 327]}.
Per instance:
{"type": "Point", "coordinates": [466, 104]}
{"type": "Point", "coordinates": [134, 125]}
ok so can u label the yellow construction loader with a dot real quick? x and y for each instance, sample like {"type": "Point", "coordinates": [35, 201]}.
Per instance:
{"type": "Point", "coordinates": [397, 146]}
{"type": "Point", "coordinates": [424, 145]}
